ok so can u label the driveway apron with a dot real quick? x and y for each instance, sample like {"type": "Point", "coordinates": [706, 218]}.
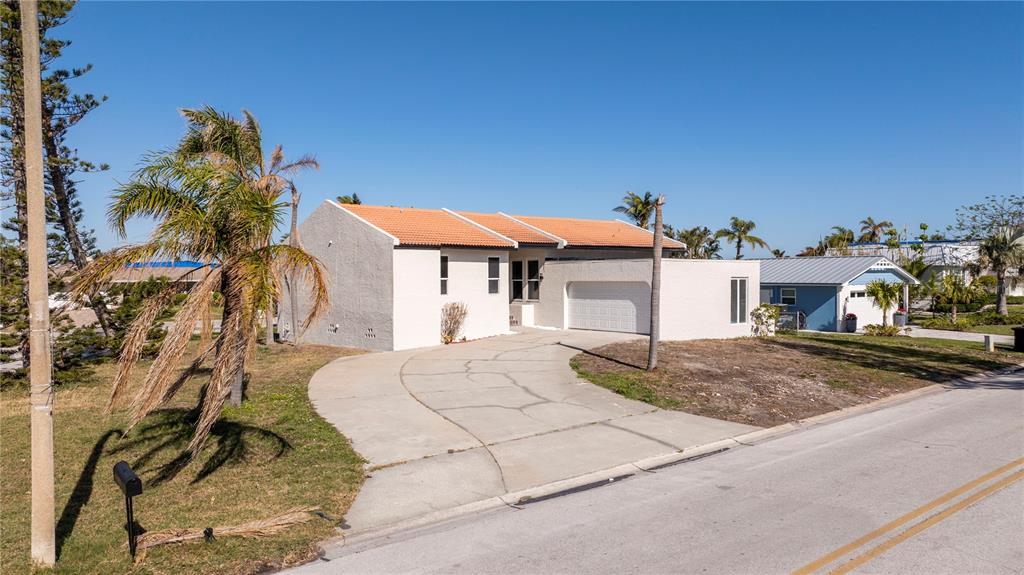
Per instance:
{"type": "Point", "coordinates": [451, 425]}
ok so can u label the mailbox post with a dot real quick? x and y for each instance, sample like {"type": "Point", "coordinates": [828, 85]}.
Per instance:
{"type": "Point", "coordinates": [131, 486]}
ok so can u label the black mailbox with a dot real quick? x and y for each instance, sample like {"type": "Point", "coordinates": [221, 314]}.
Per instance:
{"type": "Point", "coordinates": [131, 486]}
{"type": "Point", "coordinates": [126, 479]}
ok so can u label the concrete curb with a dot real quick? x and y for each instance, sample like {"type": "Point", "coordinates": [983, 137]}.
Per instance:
{"type": "Point", "coordinates": [647, 465]}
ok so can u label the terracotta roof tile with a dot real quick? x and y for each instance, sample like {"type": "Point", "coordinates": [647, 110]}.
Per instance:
{"type": "Point", "coordinates": [422, 227]}
{"type": "Point", "coordinates": [509, 228]}
{"type": "Point", "coordinates": [596, 233]}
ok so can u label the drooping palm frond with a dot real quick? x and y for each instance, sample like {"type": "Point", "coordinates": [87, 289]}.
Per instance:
{"type": "Point", "coordinates": [161, 372]}
{"type": "Point", "coordinates": [100, 270]}
{"type": "Point", "coordinates": [230, 357]}
{"type": "Point", "coordinates": [135, 341]}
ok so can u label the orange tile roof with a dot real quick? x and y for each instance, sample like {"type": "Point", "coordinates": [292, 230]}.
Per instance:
{"type": "Point", "coordinates": [596, 233]}
{"type": "Point", "coordinates": [509, 228]}
{"type": "Point", "coordinates": [422, 227]}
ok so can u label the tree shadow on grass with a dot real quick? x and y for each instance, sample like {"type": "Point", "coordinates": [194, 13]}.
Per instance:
{"type": "Point", "coordinates": [932, 364]}
{"type": "Point", "coordinates": [171, 430]}
{"type": "Point", "coordinates": [82, 491]}
{"type": "Point", "coordinates": [600, 356]}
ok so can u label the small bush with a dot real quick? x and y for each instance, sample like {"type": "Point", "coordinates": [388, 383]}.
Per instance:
{"type": "Point", "coordinates": [882, 330]}
{"type": "Point", "coordinates": [765, 320]}
{"type": "Point", "coordinates": [453, 316]}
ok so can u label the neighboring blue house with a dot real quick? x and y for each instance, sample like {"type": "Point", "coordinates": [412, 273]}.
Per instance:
{"type": "Point", "coordinates": [825, 289]}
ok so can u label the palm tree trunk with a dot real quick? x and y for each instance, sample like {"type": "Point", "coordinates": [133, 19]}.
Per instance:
{"type": "Point", "coordinates": [652, 351]}
{"type": "Point", "coordinates": [954, 312]}
{"type": "Point", "coordinates": [1001, 308]}
{"type": "Point", "coordinates": [739, 248]}
{"type": "Point", "coordinates": [885, 317]}
{"type": "Point", "coordinates": [293, 296]}
{"type": "Point", "coordinates": [269, 330]}
{"type": "Point", "coordinates": [232, 306]}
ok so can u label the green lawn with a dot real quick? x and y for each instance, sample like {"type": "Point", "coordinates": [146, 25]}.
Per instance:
{"type": "Point", "coordinates": [992, 329]}
{"type": "Point", "coordinates": [269, 455]}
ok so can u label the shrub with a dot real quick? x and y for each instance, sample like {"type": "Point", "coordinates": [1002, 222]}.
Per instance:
{"type": "Point", "coordinates": [882, 330]}
{"type": "Point", "coordinates": [765, 320]}
{"type": "Point", "coordinates": [453, 315]}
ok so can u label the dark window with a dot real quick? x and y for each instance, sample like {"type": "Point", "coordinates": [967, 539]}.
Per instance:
{"type": "Point", "coordinates": [517, 280]}
{"type": "Point", "coordinates": [493, 274]}
{"type": "Point", "coordinates": [787, 296]}
{"type": "Point", "coordinates": [738, 301]}
{"type": "Point", "coordinates": [444, 275]}
{"type": "Point", "coordinates": [533, 275]}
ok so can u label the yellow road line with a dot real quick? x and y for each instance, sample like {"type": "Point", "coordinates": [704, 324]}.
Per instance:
{"type": "Point", "coordinates": [961, 505]}
{"type": "Point", "coordinates": [860, 542]}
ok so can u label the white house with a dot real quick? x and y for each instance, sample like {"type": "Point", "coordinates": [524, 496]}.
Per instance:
{"type": "Point", "coordinates": [390, 270]}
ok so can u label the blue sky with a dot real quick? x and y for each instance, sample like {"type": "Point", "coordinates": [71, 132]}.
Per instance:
{"type": "Point", "coordinates": [798, 116]}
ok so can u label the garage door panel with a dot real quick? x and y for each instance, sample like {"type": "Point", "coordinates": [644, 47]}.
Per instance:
{"type": "Point", "coordinates": [610, 306]}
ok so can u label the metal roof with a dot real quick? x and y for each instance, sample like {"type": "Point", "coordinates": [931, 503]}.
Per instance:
{"type": "Point", "coordinates": [824, 270]}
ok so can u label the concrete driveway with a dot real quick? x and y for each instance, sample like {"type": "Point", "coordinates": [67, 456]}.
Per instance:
{"type": "Point", "coordinates": [446, 426]}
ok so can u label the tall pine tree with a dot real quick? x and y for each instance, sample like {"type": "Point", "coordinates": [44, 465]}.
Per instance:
{"type": "Point", "coordinates": [61, 110]}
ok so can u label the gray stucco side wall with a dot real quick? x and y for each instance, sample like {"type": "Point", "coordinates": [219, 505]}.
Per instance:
{"type": "Point", "coordinates": [357, 260]}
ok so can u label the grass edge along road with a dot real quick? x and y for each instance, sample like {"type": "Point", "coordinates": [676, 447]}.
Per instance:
{"type": "Point", "coordinates": [271, 454]}
{"type": "Point", "coordinates": [1003, 476]}
{"type": "Point", "coordinates": [770, 381]}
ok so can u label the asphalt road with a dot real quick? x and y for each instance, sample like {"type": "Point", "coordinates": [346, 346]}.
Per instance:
{"type": "Point", "coordinates": [931, 486]}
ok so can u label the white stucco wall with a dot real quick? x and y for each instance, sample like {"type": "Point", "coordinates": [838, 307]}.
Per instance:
{"type": "Point", "coordinates": [418, 299]}
{"type": "Point", "coordinates": [357, 264]}
{"type": "Point", "coordinates": [695, 299]}
{"type": "Point", "coordinates": [467, 283]}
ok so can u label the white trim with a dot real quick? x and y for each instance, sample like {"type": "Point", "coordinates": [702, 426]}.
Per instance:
{"type": "Point", "coordinates": [393, 238]}
{"type": "Point", "coordinates": [515, 244]}
{"type": "Point", "coordinates": [680, 246]}
{"type": "Point", "coordinates": [561, 242]}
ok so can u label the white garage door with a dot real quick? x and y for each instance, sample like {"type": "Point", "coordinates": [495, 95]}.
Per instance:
{"type": "Point", "coordinates": [610, 306]}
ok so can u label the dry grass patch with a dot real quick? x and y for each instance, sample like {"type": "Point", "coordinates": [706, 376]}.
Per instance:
{"type": "Point", "coordinates": [271, 454]}
{"type": "Point", "coordinates": [770, 381]}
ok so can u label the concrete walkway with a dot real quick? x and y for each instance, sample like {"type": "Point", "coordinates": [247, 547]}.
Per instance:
{"type": "Point", "coordinates": [958, 335]}
{"type": "Point", "coordinates": [446, 426]}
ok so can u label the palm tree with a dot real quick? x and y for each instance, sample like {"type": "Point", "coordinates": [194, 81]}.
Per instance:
{"type": "Point", "coordinates": [639, 208]}
{"type": "Point", "coordinates": [778, 253]}
{"type": "Point", "coordinates": [811, 251]}
{"type": "Point", "coordinates": [652, 349]}
{"type": "Point", "coordinates": [957, 291]}
{"type": "Point", "coordinates": [215, 199]}
{"type": "Point", "coordinates": [886, 296]}
{"type": "Point", "coordinates": [353, 199]}
{"type": "Point", "coordinates": [871, 231]}
{"type": "Point", "coordinates": [1001, 252]}
{"type": "Point", "coordinates": [700, 243]}
{"type": "Point", "coordinates": [738, 233]}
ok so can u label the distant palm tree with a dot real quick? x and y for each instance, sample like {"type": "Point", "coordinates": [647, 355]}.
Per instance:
{"type": "Point", "coordinates": [956, 291]}
{"type": "Point", "coordinates": [871, 231]}
{"type": "Point", "coordinates": [1002, 252]}
{"type": "Point", "coordinates": [215, 199]}
{"type": "Point", "coordinates": [779, 253]}
{"type": "Point", "coordinates": [811, 251]}
{"type": "Point", "coordinates": [353, 199]}
{"type": "Point", "coordinates": [700, 243]}
{"type": "Point", "coordinates": [886, 296]}
{"type": "Point", "coordinates": [840, 238]}
{"type": "Point", "coordinates": [738, 233]}
{"type": "Point", "coordinates": [639, 208]}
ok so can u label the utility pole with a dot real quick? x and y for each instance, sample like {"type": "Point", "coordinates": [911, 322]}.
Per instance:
{"type": "Point", "coordinates": [659, 238]}
{"type": "Point", "coordinates": [43, 547]}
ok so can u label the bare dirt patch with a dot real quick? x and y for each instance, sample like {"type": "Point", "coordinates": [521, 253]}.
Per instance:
{"type": "Point", "coordinates": [767, 382]}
